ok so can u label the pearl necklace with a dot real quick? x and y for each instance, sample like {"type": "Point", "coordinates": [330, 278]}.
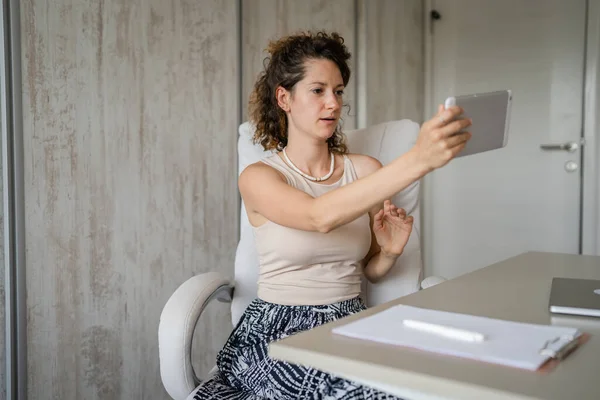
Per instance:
{"type": "Point", "coordinates": [312, 178]}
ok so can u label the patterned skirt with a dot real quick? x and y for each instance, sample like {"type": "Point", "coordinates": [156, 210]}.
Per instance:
{"type": "Point", "coordinates": [245, 371]}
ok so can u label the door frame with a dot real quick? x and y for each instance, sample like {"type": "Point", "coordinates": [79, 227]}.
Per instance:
{"type": "Point", "coordinates": [13, 202]}
{"type": "Point", "coordinates": [590, 185]}
{"type": "Point", "coordinates": [590, 199]}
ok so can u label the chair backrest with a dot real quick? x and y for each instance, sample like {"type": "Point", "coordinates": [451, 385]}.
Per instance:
{"type": "Point", "coordinates": [385, 142]}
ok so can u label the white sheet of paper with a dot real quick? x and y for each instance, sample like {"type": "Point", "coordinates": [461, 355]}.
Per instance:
{"type": "Point", "coordinates": [508, 343]}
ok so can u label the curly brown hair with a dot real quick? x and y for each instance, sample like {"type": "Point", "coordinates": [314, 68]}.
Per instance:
{"type": "Point", "coordinates": [285, 67]}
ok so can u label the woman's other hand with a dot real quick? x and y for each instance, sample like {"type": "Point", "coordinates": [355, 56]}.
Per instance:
{"type": "Point", "coordinates": [442, 137]}
{"type": "Point", "coordinates": [392, 228]}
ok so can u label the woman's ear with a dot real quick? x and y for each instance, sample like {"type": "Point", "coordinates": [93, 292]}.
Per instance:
{"type": "Point", "coordinates": [283, 98]}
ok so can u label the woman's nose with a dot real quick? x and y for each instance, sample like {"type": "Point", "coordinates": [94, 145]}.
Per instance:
{"type": "Point", "coordinates": [333, 101]}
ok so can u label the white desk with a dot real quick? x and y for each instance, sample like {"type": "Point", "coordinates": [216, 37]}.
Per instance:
{"type": "Point", "coordinates": [516, 289]}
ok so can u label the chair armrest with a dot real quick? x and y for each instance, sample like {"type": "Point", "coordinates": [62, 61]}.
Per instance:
{"type": "Point", "coordinates": [176, 328]}
{"type": "Point", "coordinates": [432, 281]}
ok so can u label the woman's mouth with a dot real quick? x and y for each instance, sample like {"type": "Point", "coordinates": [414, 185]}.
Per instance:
{"type": "Point", "coordinates": [329, 120]}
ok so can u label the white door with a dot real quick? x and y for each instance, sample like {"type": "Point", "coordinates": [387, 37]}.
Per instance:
{"type": "Point", "coordinates": [485, 208]}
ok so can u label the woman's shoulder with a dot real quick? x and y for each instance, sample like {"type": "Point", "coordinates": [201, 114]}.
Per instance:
{"type": "Point", "coordinates": [261, 170]}
{"type": "Point", "coordinates": [364, 165]}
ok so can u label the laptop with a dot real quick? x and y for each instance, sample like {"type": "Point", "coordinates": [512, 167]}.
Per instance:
{"type": "Point", "coordinates": [575, 297]}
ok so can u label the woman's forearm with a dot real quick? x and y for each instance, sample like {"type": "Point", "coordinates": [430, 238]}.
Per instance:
{"type": "Point", "coordinates": [349, 202]}
{"type": "Point", "coordinates": [378, 266]}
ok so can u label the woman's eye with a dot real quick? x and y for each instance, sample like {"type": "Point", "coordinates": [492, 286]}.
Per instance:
{"type": "Point", "coordinates": [340, 92]}
{"type": "Point", "coordinates": [317, 91]}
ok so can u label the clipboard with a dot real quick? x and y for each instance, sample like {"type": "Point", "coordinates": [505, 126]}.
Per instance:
{"type": "Point", "coordinates": [533, 347]}
{"type": "Point", "coordinates": [559, 352]}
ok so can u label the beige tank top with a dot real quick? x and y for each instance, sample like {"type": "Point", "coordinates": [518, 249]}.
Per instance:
{"type": "Point", "coordinates": [311, 268]}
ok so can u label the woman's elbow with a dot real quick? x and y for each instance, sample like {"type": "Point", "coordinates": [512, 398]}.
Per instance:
{"type": "Point", "coordinates": [372, 279]}
{"type": "Point", "coordinates": [322, 225]}
{"type": "Point", "coordinates": [321, 221]}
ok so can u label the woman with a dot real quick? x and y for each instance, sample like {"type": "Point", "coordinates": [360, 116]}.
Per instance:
{"type": "Point", "coordinates": [320, 215]}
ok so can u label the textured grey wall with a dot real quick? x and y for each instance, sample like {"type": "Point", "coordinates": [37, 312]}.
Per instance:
{"type": "Point", "coordinates": [264, 20]}
{"type": "Point", "coordinates": [393, 47]}
{"type": "Point", "coordinates": [384, 36]}
{"type": "Point", "coordinates": [130, 121]}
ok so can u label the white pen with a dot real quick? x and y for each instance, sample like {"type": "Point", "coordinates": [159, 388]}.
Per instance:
{"type": "Point", "coordinates": [446, 331]}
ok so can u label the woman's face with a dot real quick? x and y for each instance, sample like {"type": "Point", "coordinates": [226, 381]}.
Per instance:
{"type": "Point", "coordinates": [314, 105]}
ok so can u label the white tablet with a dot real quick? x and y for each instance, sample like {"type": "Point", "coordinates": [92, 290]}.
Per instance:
{"type": "Point", "coordinates": [490, 113]}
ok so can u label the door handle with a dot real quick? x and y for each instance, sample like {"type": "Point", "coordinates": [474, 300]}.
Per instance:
{"type": "Point", "coordinates": [568, 146]}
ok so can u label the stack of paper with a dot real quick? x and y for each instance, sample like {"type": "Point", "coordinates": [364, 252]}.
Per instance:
{"type": "Point", "coordinates": [509, 343]}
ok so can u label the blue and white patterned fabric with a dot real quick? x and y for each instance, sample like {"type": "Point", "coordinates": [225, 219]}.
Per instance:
{"type": "Point", "coordinates": [245, 371]}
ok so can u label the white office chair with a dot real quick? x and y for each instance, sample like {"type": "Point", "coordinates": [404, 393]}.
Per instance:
{"type": "Point", "coordinates": [178, 320]}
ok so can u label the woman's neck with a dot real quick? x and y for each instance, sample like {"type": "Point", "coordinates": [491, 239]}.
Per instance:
{"type": "Point", "coordinates": [312, 158]}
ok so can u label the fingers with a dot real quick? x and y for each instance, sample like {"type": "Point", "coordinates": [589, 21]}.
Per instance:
{"type": "Point", "coordinates": [378, 220]}
{"type": "Point", "coordinates": [450, 114]}
{"type": "Point", "coordinates": [444, 116]}
{"type": "Point", "coordinates": [386, 206]}
{"type": "Point", "coordinates": [456, 140]}
{"type": "Point", "coordinates": [397, 212]}
{"type": "Point", "coordinates": [390, 210]}
{"type": "Point", "coordinates": [457, 149]}
{"type": "Point", "coordinates": [454, 127]}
